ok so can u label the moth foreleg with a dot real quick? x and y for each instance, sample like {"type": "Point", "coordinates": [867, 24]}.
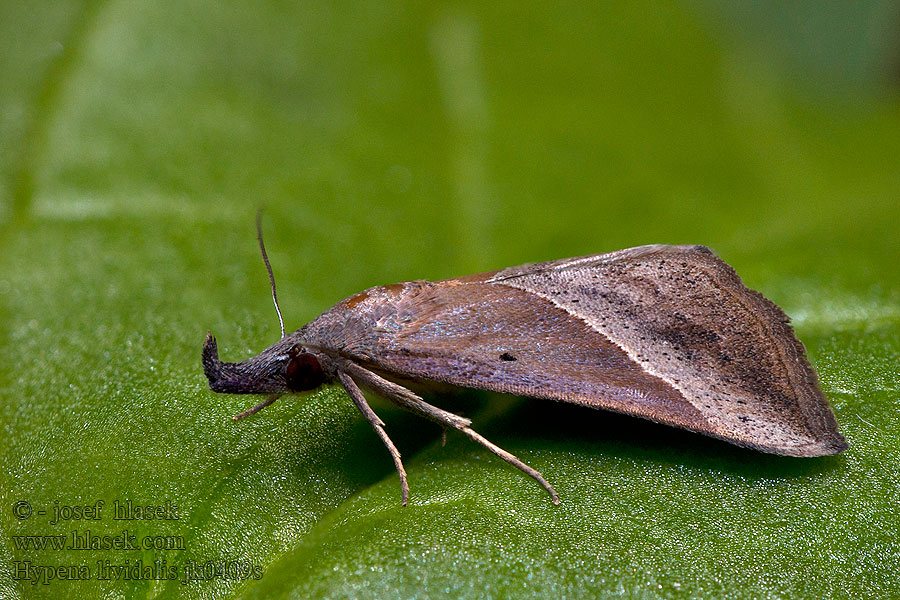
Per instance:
{"type": "Point", "coordinates": [252, 411]}
{"type": "Point", "coordinates": [378, 425]}
{"type": "Point", "coordinates": [407, 399]}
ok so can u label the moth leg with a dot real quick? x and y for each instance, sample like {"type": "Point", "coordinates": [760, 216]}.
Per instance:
{"type": "Point", "coordinates": [378, 425]}
{"type": "Point", "coordinates": [403, 397]}
{"type": "Point", "coordinates": [513, 460]}
{"type": "Point", "coordinates": [407, 399]}
{"type": "Point", "coordinates": [252, 411]}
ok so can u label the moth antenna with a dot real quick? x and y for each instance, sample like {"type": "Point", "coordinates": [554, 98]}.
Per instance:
{"type": "Point", "coordinates": [262, 248]}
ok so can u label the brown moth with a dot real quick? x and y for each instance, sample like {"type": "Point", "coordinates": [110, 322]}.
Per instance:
{"type": "Point", "coordinates": [666, 333]}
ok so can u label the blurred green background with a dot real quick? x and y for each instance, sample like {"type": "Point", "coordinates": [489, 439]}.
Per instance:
{"type": "Point", "coordinates": [398, 140]}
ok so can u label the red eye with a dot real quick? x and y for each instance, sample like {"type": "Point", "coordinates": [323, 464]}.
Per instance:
{"type": "Point", "coordinates": [303, 372]}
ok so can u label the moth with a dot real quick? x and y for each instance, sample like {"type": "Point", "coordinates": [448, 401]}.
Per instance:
{"type": "Point", "coordinates": [665, 333]}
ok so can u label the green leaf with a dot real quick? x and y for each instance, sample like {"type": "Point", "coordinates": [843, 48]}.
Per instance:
{"type": "Point", "coordinates": [398, 141]}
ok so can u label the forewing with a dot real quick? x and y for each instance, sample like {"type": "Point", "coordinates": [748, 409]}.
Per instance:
{"type": "Point", "coordinates": [668, 333]}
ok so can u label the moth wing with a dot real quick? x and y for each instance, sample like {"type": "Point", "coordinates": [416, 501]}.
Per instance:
{"type": "Point", "coordinates": [667, 333]}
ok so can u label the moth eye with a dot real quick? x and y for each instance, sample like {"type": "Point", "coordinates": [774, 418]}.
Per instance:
{"type": "Point", "coordinates": [507, 357]}
{"type": "Point", "coordinates": [303, 372]}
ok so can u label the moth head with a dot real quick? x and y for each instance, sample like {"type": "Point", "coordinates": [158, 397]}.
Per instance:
{"type": "Point", "coordinates": [285, 367]}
